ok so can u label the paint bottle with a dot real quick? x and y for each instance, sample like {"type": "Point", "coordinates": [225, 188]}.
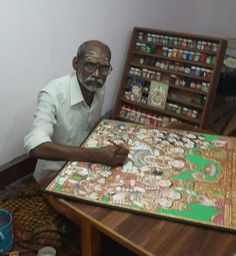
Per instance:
{"type": "Point", "coordinates": [140, 36]}
{"type": "Point", "coordinates": [197, 56]}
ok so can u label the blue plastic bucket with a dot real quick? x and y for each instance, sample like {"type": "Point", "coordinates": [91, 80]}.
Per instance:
{"type": "Point", "coordinates": [6, 234]}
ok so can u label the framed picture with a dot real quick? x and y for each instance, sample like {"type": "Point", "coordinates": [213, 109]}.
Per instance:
{"type": "Point", "coordinates": [135, 86]}
{"type": "Point", "coordinates": [158, 94]}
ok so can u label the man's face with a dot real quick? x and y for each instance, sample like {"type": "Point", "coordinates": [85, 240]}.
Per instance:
{"type": "Point", "coordinates": [93, 67]}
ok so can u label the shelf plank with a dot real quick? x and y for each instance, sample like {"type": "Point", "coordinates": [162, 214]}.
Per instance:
{"type": "Point", "coordinates": [158, 56]}
{"type": "Point", "coordinates": [161, 111]}
{"type": "Point", "coordinates": [137, 65]}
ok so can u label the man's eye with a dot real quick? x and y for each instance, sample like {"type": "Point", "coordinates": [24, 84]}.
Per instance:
{"type": "Point", "coordinates": [105, 67]}
{"type": "Point", "coordinates": [90, 65]}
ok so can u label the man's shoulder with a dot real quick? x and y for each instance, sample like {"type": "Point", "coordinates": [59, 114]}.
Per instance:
{"type": "Point", "coordinates": [58, 85]}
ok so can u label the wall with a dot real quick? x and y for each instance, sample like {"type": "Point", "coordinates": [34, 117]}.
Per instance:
{"type": "Point", "coordinates": [39, 38]}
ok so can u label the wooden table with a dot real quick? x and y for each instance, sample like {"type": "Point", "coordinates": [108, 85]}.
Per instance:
{"type": "Point", "coordinates": [141, 234]}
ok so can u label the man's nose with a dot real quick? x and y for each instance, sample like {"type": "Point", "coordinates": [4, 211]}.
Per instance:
{"type": "Point", "coordinates": [96, 72]}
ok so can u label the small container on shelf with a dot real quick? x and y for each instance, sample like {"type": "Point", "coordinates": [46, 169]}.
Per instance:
{"type": "Point", "coordinates": [197, 56]}
{"type": "Point", "coordinates": [141, 60]}
{"type": "Point", "coordinates": [198, 86]}
{"type": "Point", "coordinates": [140, 36]}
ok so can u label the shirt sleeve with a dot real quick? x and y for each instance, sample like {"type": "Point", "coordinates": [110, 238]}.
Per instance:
{"type": "Point", "coordinates": [43, 124]}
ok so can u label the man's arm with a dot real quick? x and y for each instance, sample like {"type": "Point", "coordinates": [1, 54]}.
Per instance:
{"type": "Point", "coordinates": [109, 155]}
{"type": "Point", "coordinates": [38, 142]}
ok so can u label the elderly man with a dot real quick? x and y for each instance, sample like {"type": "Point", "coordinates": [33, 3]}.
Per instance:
{"type": "Point", "coordinates": [68, 109]}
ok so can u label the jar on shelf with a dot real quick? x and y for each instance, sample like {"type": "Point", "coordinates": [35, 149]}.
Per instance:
{"type": "Point", "coordinates": [171, 66]}
{"type": "Point", "coordinates": [149, 37]}
{"type": "Point", "coordinates": [184, 111]}
{"type": "Point", "coordinates": [197, 56]}
{"type": "Point", "coordinates": [138, 115]}
{"type": "Point", "coordinates": [194, 113]}
{"type": "Point", "coordinates": [181, 68]}
{"type": "Point", "coordinates": [208, 73]}
{"type": "Point", "coordinates": [177, 80]}
{"type": "Point", "coordinates": [141, 60]}
{"type": "Point", "coordinates": [192, 85]}
{"type": "Point", "coordinates": [180, 42]}
{"type": "Point", "coordinates": [209, 59]}
{"type": "Point", "coordinates": [187, 70]}
{"type": "Point", "coordinates": [123, 111]}
{"type": "Point", "coordinates": [174, 53]}
{"type": "Point", "coordinates": [166, 40]}
{"type": "Point", "coordinates": [175, 41]}
{"type": "Point", "coordinates": [183, 82]}
{"type": "Point", "coordinates": [167, 63]}
{"type": "Point", "coordinates": [178, 109]}
{"type": "Point", "coordinates": [184, 43]}
{"type": "Point", "coordinates": [144, 72]}
{"type": "Point", "coordinates": [138, 46]}
{"type": "Point", "coordinates": [158, 76]}
{"type": "Point", "coordinates": [162, 65]}
{"type": "Point", "coordinates": [170, 53]}
{"type": "Point", "coordinates": [138, 72]}
{"type": "Point", "coordinates": [165, 51]}
{"type": "Point", "coordinates": [142, 47]}
{"type": "Point", "coordinates": [194, 43]}
{"type": "Point", "coordinates": [203, 58]}
{"type": "Point", "coordinates": [193, 70]}
{"type": "Point", "coordinates": [185, 55]}
{"type": "Point", "coordinates": [189, 43]}
{"type": "Point", "coordinates": [171, 39]}
{"type": "Point", "coordinates": [161, 39]}
{"type": "Point", "coordinates": [191, 55]}
{"type": "Point", "coordinates": [198, 71]}
{"type": "Point", "coordinates": [153, 38]}
{"type": "Point", "coordinates": [158, 64]}
{"type": "Point", "coordinates": [144, 99]}
{"type": "Point", "coordinates": [177, 66]}
{"type": "Point", "coordinates": [152, 75]}
{"type": "Point", "coordinates": [198, 86]}
{"type": "Point", "coordinates": [140, 36]}
{"type": "Point", "coordinates": [180, 54]}
{"type": "Point", "coordinates": [132, 71]}
{"type": "Point", "coordinates": [173, 78]}
{"type": "Point", "coordinates": [204, 43]}
{"type": "Point", "coordinates": [148, 74]}
{"type": "Point", "coordinates": [215, 47]}
{"type": "Point", "coordinates": [199, 45]}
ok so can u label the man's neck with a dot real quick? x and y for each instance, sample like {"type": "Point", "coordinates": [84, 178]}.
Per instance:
{"type": "Point", "coordinates": [88, 95]}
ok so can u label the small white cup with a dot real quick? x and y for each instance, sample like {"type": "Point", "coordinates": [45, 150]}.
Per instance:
{"type": "Point", "coordinates": [47, 251]}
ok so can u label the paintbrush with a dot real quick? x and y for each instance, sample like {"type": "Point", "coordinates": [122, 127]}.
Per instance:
{"type": "Point", "coordinates": [118, 145]}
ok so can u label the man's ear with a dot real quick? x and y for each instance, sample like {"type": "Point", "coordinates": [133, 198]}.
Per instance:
{"type": "Point", "coordinates": [75, 63]}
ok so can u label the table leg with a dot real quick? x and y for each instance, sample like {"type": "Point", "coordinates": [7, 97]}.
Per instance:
{"type": "Point", "coordinates": [90, 239]}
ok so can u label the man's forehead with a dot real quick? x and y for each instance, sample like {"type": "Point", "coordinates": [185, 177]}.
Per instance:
{"type": "Point", "coordinates": [96, 55]}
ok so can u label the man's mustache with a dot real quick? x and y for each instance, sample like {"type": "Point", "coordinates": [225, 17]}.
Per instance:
{"type": "Point", "coordinates": [92, 80]}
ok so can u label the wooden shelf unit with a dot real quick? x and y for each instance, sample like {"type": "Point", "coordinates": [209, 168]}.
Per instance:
{"type": "Point", "coordinates": [189, 64]}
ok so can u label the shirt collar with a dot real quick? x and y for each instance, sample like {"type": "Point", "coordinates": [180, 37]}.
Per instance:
{"type": "Point", "coordinates": [76, 95]}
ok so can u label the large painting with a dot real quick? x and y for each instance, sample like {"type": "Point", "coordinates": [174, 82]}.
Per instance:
{"type": "Point", "coordinates": [172, 174]}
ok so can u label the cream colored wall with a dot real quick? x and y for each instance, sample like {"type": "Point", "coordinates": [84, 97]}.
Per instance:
{"type": "Point", "coordinates": [39, 38]}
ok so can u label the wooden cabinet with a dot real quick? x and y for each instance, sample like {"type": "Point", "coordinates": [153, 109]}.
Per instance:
{"type": "Point", "coordinates": [169, 76]}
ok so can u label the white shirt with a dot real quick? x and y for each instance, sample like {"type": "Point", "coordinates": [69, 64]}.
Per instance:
{"type": "Point", "coordinates": [62, 117]}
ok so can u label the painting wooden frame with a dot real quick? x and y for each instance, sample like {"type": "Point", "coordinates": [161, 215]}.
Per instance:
{"type": "Point", "coordinates": [179, 175]}
{"type": "Point", "coordinates": [157, 95]}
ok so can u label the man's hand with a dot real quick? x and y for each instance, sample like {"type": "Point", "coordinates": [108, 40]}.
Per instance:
{"type": "Point", "coordinates": [112, 155]}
